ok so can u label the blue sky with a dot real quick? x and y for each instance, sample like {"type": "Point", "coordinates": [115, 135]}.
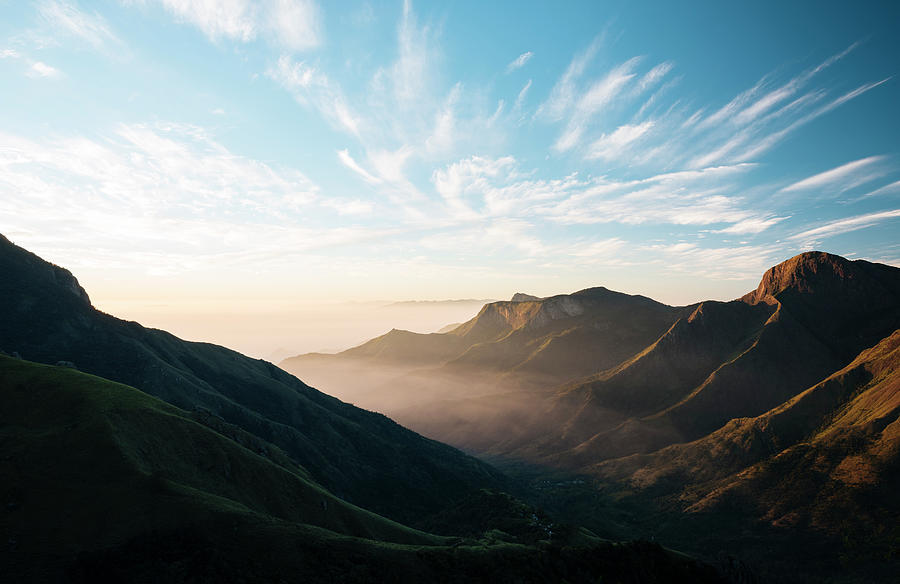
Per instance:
{"type": "Point", "coordinates": [217, 154]}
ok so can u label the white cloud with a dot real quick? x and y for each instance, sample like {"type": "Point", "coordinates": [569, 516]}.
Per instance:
{"type": "Point", "coordinates": [466, 178]}
{"type": "Point", "coordinates": [311, 87]}
{"type": "Point", "coordinates": [760, 145]}
{"type": "Point", "coordinates": [169, 197]}
{"type": "Point", "coordinates": [520, 98]}
{"type": "Point", "coordinates": [519, 61]}
{"type": "Point", "coordinates": [491, 237]}
{"type": "Point", "coordinates": [751, 226]}
{"type": "Point", "coordinates": [412, 70]}
{"type": "Point", "coordinates": [653, 76]}
{"type": "Point", "coordinates": [842, 178]}
{"type": "Point", "coordinates": [774, 97]}
{"type": "Point", "coordinates": [846, 225]}
{"type": "Point", "coordinates": [598, 96]}
{"type": "Point", "coordinates": [42, 70]}
{"type": "Point", "coordinates": [294, 25]}
{"type": "Point", "coordinates": [162, 170]}
{"type": "Point", "coordinates": [68, 19]}
{"type": "Point", "coordinates": [9, 54]}
{"type": "Point", "coordinates": [602, 92]}
{"type": "Point", "coordinates": [614, 145]}
{"type": "Point", "coordinates": [348, 206]}
{"type": "Point", "coordinates": [893, 187]}
{"type": "Point", "coordinates": [680, 198]}
{"type": "Point", "coordinates": [603, 250]}
{"type": "Point", "coordinates": [722, 263]}
{"type": "Point", "coordinates": [562, 96]}
{"type": "Point", "coordinates": [349, 162]}
{"type": "Point", "coordinates": [443, 136]}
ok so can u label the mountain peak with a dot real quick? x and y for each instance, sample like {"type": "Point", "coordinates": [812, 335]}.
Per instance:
{"type": "Point", "coordinates": [812, 271]}
{"type": "Point", "coordinates": [29, 274]}
{"type": "Point", "coordinates": [522, 297]}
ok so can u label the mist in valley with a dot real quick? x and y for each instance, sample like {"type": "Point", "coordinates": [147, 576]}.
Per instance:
{"type": "Point", "coordinates": [280, 331]}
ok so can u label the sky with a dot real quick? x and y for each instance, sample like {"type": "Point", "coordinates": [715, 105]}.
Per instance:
{"type": "Point", "coordinates": [236, 158]}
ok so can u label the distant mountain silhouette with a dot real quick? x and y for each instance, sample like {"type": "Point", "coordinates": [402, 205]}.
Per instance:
{"type": "Point", "coordinates": [523, 346]}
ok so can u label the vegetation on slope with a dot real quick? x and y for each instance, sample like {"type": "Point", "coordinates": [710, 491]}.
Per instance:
{"type": "Point", "coordinates": [361, 456]}
{"type": "Point", "coordinates": [103, 483]}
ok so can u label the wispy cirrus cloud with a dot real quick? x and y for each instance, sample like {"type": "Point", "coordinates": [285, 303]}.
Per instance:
{"type": "Point", "coordinates": [171, 195]}
{"type": "Point", "coordinates": [348, 161]}
{"type": "Point", "coordinates": [753, 122]}
{"type": "Point", "coordinates": [43, 70]}
{"type": "Point", "coordinates": [751, 225]}
{"type": "Point", "coordinates": [67, 18]}
{"type": "Point", "coordinates": [619, 149]}
{"type": "Point", "coordinates": [312, 87]}
{"type": "Point", "coordinates": [617, 143]}
{"type": "Point", "coordinates": [890, 188]}
{"type": "Point", "coordinates": [741, 262]}
{"type": "Point", "coordinates": [597, 97]}
{"type": "Point", "coordinates": [293, 25]}
{"type": "Point", "coordinates": [519, 61]}
{"type": "Point", "coordinates": [844, 177]}
{"type": "Point", "coordinates": [845, 225]}
{"type": "Point", "coordinates": [160, 170]}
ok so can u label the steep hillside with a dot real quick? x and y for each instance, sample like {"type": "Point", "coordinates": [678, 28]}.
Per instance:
{"type": "Point", "coordinates": [808, 318]}
{"type": "Point", "coordinates": [810, 483]}
{"type": "Point", "coordinates": [815, 414]}
{"type": "Point", "coordinates": [360, 456]}
{"type": "Point", "coordinates": [103, 483]}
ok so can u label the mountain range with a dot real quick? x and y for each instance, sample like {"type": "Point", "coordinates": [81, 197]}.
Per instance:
{"type": "Point", "coordinates": [129, 454]}
{"type": "Point", "coordinates": [776, 412]}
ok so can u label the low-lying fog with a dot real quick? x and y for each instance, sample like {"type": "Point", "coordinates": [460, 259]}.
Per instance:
{"type": "Point", "coordinates": [327, 328]}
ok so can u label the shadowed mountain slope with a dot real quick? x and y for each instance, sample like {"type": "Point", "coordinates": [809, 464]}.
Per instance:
{"type": "Point", "coordinates": [808, 318]}
{"type": "Point", "coordinates": [811, 483]}
{"type": "Point", "coordinates": [103, 483]}
{"type": "Point", "coordinates": [360, 456]}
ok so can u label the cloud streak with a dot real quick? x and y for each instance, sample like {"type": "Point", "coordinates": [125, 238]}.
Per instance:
{"type": "Point", "coordinates": [842, 178]}
{"type": "Point", "coordinates": [519, 61]}
{"type": "Point", "coordinates": [846, 225]}
{"type": "Point", "coordinates": [66, 18]}
{"type": "Point", "coordinates": [294, 25]}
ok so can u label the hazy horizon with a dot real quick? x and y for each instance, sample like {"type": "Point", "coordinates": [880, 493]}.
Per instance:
{"type": "Point", "coordinates": [312, 328]}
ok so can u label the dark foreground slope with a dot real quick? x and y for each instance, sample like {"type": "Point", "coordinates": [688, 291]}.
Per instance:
{"type": "Point", "coordinates": [103, 483]}
{"type": "Point", "coordinates": [360, 456]}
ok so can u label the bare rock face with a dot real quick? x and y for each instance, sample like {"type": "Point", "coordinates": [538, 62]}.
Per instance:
{"type": "Point", "coordinates": [522, 297]}
{"type": "Point", "coordinates": [815, 272]}
{"type": "Point", "coordinates": [849, 305]}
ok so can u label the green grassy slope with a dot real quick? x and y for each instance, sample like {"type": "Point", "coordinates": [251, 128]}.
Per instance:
{"type": "Point", "coordinates": [361, 456]}
{"type": "Point", "coordinates": [103, 483]}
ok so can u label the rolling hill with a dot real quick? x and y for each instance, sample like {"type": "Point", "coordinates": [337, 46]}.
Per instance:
{"type": "Point", "coordinates": [104, 483]}
{"type": "Point", "coordinates": [361, 456]}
